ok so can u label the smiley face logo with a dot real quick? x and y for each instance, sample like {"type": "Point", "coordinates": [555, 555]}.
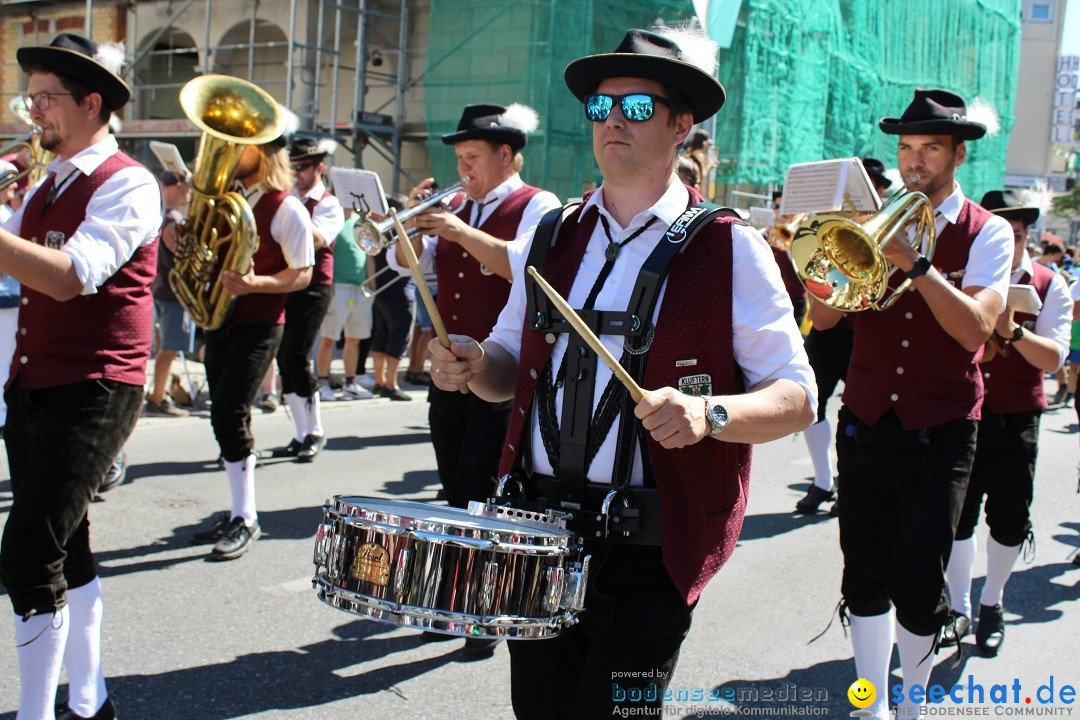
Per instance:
{"type": "Point", "coordinates": [862, 693]}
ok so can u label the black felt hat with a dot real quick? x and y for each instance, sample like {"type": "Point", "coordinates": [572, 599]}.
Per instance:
{"type": "Point", "coordinates": [645, 54]}
{"type": "Point", "coordinates": [876, 170]}
{"type": "Point", "coordinates": [79, 58]}
{"type": "Point", "coordinates": [1008, 205]}
{"type": "Point", "coordinates": [310, 148]}
{"type": "Point", "coordinates": [486, 122]}
{"type": "Point", "coordinates": [934, 112]}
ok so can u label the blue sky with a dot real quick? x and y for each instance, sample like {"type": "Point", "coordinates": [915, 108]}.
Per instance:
{"type": "Point", "coordinates": [1070, 39]}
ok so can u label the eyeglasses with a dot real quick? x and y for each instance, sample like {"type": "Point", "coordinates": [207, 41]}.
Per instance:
{"type": "Point", "coordinates": [303, 166]}
{"type": "Point", "coordinates": [636, 107]}
{"type": "Point", "coordinates": [43, 100]}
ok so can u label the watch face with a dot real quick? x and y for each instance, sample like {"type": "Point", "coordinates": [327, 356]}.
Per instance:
{"type": "Point", "coordinates": [718, 415]}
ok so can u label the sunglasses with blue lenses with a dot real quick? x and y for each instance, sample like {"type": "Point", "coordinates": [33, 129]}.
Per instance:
{"type": "Point", "coordinates": [636, 107]}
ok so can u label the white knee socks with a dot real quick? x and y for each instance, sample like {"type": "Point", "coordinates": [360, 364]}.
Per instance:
{"type": "Point", "coordinates": [958, 574]}
{"type": "Point", "coordinates": [314, 417]}
{"type": "Point", "coordinates": [40, 645]}
{"type": "Point", "coordinates": [242, 486]}
{"type": "Point", "coordinates": [298, 410]}
{"type": "Point", "coordinates": [916, 662]}
{"type": "Point", "coordinates": [819, 440]}
{"type": "Point", "coordinates": [872, 639]}
{"type": "Point", "coordinates": [82, 656]}
{"type": "Point", "coordinates": [999, 564]}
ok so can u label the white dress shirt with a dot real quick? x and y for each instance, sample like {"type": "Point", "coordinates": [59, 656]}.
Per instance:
{"type": "Point", "coordinates": [1055, 318]}
{"type": "Point", "coordinates": [123, 214]}
{"type": "Point", "coordinates": [290, 228]}
{"type": "Point", "coordinates": [328, 218]}
{"type": "Point", "coordinates": [539, 204]}
{"type": "Point", "coordinates": [767, 343]}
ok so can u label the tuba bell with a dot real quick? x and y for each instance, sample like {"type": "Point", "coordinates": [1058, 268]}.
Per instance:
{"type": "Point", "coordinates": [842, 262]}
{"type": "Point", "coordinates": [28, 146]}
{"type": "Point", "coordinates": [219, 231]}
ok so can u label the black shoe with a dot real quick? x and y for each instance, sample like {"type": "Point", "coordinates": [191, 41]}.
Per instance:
{"type": "Point", "coordinates": [991, 631]}
{"type": "Point", "coordinates": [834, 511]}
{"type": "Point", "coordinates": [955, 629]}
{"type": "Point", "coordinates": [395, 394]}
{"type": "Point", "coordinates": [290, 450]}
{"type": "Point", "coordinates": [480, 646]}
{"type": "Point", "coordinates": [107, 712]}
{"type": "Point", "coordinates": [236, 541]}
{"type": "Point", "coordinates": [215, 532]}
{"type": "Point", "coordinates": [813, 498]}
{"type": "Point", "coordinates": [115, 475]}
{"type": "Point", "coordinates": [312, 446]}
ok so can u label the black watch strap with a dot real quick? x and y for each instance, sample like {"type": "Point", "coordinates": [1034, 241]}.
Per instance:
{"type": "Point", "coordinates": [922, 266]}
{"type": "Point", "coordinates": [1017, 333]}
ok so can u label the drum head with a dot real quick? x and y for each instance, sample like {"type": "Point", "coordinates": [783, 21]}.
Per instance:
{"type": "Point", "coordinates": [381, 510]}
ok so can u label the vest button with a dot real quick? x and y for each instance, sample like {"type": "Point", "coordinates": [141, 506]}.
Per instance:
{"type": "Point", "coordinates": [461, 274]}
{"type": "Point", "coordinates": [894, 397]}
{"type": "Point", "coordinates": [522, 411]}
{"type": "Point", "coordinates": [26, 301]}
{"type": "Point", "coordinates": [986, 375]}
{"type": "Point", "coordinates": [512, 448]}
{"type": "Point", "coordinates": [904, 343]}
{"type": "Point", "coordinates": [464, 254]}
{"type": "Point", "coordinates": [907, 315]}
{"type": "Point", "coordinates": [550, 338]}
{"type": "Point", "coordinates": [24, 359]}
{"type": "Point", "coordinates": [457, 296]}
{"type": "Point", "coordinates": [453, 317]}
{"type": "Point", "coordinates": [532, 373]}
{"type": "Point", "coordinates": [22, 331]}
{"type": "Point", "coordinates": [899, 371]}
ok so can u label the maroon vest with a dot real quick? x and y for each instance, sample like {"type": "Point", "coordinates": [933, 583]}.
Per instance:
{"type": "Point", "coordinates": [795, 289]}
{"type": "Point", "coordinates": [470, 301]}
{"type": "Point", "coordinates": [269, 260]}
{"type": "Point", "coordinates": [323, 272]}
{"type": "Point", "coordinates": [905, 361]}
{"type": "Point", "coordinates": [1012, 383]}
{"type": "Point", "coordinates": [106, 335]}
{"type": "Point", "coordinates": [703, 487]}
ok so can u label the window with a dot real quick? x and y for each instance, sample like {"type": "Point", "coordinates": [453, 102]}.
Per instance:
{"type": "Point", "coordinates": [1040, 12]}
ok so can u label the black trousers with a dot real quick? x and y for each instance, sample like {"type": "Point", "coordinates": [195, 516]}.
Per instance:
{"type": "Point", "coordinates": [902, 492]}
{"type": "Point", "coordinates": [237, 358]}
{"type": "Point", "coordinates": [1004, 472]}
{"type": "Point", "coordinates": [829, 352]}
{"type": "Point", "coordinates": [60, 441]}
{"type": "Point", "coordinates": [304, 313]}
{"type": "Point", "coordinates": [468, 434]}
{"type": "Point", "coordinates": [620, 654]}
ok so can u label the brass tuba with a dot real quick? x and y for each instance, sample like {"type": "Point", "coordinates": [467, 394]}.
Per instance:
{"type": "Point", "coordinates": [219, 231]}
{"type": "Point", "coordinates": [842, 263]}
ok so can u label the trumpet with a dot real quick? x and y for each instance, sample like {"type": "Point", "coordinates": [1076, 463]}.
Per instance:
{"type": "Point", "coordinates": [373, 237]}
{"type": "Point", "coordinates": [27, 142]}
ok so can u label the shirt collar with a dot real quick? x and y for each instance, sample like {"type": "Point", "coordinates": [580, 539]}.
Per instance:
{"type": "Point", "coordinates": [315, 193]}
{"type": "Point", "coordinates": [951, 206]}
{"type": "Point", "coordinates": [252, 194]}
{"type": "Point", "coordinates": [667, 209]}
{"type": "Point", "coordinates": [87, 160]}
{"type": "Point", "coordinates": [1023, 267]}
{"type": "Point", "coordinates": [501, 191]}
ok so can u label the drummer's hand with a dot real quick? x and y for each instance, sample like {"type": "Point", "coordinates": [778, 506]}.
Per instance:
{"type": "Point", "coordinates": [673, 419]}
{"type": "Point", "coordinates": [451, 369]}
{"type": "Point", "coordinates": [420, 192]}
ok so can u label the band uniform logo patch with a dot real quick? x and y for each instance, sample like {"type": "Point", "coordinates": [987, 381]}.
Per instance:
{"type": "Point", "coordinates": [371, 564]}
{"type": "Point", "coordinates": [688, 362]}
{"type": "Point", "coordinates": [54, 239]}
{"type": "Point", "coordinates": [696, 385]}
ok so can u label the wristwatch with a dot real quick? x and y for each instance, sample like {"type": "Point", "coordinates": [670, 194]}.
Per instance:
{"type": "Point", "coordinates": [717, 416]}
{"type": "Point", "coordinates": [1017, 333]}
{"type": "Point", "coordinates": [922, 266]}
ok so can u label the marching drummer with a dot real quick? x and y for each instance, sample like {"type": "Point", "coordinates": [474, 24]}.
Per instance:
{"type": "Point", "coordinates": [576, 438]}
{"type": "Point", "coordinates": [906, 432]}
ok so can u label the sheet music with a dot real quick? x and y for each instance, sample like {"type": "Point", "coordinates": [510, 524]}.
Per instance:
{"type": "Point", "coordinates": [170, 158]}
{"type": "Point", "coordinates": [761, 217]}
{"type": "Point", "coordinates": [1023, 298]}
{"type": "Point", "coordinates": [361, 190]}
{"type": "Point", "coordinates": [828, 186]}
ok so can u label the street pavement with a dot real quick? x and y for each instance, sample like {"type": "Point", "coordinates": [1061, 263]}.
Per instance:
{"type": "Point", "coordinates": [186, 638]}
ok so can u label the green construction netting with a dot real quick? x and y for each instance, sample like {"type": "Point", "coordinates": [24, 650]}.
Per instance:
{"type": "Point", "coordinates": [505, 51]}
{"type": "Point", "coordinates": [808, 80]}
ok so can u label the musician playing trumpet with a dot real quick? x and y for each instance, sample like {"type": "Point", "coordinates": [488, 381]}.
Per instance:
{"type": "Point", "coordinates": [906, 432]}
{"type": "Point", "coordinates": [467, 245]}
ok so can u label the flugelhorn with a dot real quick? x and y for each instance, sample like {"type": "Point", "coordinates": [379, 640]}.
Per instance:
{"type": "Point", "coordinates": [219, 231]}
{"type": "Point", "coordinates": [842, 263]}
{"type": "Point", "coordinates": [29, 143]}
{"type": "Point", "coordinates": [373, 237]}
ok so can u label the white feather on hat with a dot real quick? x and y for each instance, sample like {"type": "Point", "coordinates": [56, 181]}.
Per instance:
{"type": "Point", "coordinates": [520, 117]}
{"type": "Point", "coordinates": [982, 112]}
{"type": "Point", "coordinates": [326, 146]}
{"type": "Point", "coordinates": [111, 57]}
{"type": "Point", "coordinates": [697, 48]}
{"type": "Point", "coordinates": [289, 124]}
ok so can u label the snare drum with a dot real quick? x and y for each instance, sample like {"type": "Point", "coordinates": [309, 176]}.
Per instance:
{"type": "Point", "coordinates": [488, 571]}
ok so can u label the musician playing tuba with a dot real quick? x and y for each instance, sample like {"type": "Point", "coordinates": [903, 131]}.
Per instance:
{"type": "Point", "coordinates": [239, 352]}
{"type": "Point", "coordinates": [906, 432]}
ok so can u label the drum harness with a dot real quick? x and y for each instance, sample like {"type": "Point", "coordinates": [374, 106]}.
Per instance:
{"type": "Point", "coordinates": [617, 513]}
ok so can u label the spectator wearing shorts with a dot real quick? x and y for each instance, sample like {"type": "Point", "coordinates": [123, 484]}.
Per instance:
{"type": "Point", "coordinates": [393, 318]}
{"type": "Point", "coordinates": [422, 333]}
{"type": "Point", "coordinates": [173, 323]}
{"type": "Point", "coordinates": [350, 310]}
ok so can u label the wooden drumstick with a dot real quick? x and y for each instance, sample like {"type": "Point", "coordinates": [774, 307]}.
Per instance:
{"type": "Point", "coordinates": [587, 335]}
{"type": "Point", "coordinates": [421, 283]}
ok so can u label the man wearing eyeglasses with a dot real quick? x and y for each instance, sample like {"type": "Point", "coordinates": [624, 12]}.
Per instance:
{"type": "Point", "coordinates": [467, 248]}
{"type": "Point", "coordinates": [673, 469]}
{"type": "Point", "coordinates": [84, 248]}
{"type": "Point", "coordinates": [306, 308]}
